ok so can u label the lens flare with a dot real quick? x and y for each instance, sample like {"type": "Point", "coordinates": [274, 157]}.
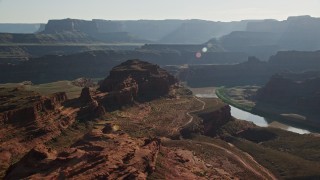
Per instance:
{"type": "Point", "coordinates": [204, 50]}
{"type": "Point", "coordinates": [198, 55]}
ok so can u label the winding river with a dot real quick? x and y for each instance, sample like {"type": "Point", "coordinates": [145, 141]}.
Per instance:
{"type": "Point", "coordinates": [209, 92]}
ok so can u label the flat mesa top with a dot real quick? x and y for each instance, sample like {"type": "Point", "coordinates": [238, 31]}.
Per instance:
{"type": "Point", "coordinates": [137, 65]}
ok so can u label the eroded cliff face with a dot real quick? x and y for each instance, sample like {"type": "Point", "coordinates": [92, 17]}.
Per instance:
{"type": "Point", "coordinates": [29, 119]}
{"type": "Point", "coordinates": [35, 108]}
{"type": "Point", "coordinates": [90, 108]}
{"type": "Point", "coordinates": [213, 120]}
{"type": "Point", "coordinates": [124, 144]}
{"type": "Point", "coordinates": [37, 119]}
{"type": "Point", "coordinates": [135, 80]}
{"type": "Point", "coordinates": [99, 155]}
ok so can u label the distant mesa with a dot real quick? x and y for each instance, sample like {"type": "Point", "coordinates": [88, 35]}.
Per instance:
{"type": "Point", "coordinates": [260, 38]}
{"type": "Point", "coordinates": [70, 25]}
{"type": "Point", "coordinates": [160, 31]}
{"type": "Point", "coordinates": [264, 38]}
{"type": "Point", "coordinates": [93, 29]}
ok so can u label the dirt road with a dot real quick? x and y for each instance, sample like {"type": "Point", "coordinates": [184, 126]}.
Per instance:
{"type": "Point", "coordinates": [251, 166]}
{"type": "Point", "coordinates": [189, 113]}
{"type": "Point", "coordinates": [249, 163]}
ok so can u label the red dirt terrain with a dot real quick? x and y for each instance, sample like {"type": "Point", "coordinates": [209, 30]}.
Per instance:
{"type": "Point", "coordinates": [109, 155]}
{"type": "Point", "coordinates": [128, 128]}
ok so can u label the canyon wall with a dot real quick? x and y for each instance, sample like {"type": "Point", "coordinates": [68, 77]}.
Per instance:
{"type": "Point", "coordinates": [252, 72]}
{"type": "Point", "coordinates": [297, 91]}
{"type": "Point", "coordinates": [97, 64]}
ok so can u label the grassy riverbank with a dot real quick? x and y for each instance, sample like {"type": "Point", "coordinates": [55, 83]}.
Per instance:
{"type": "Point", "coordinates": [287, 155]}
{"type": "Point", "coordinates": [222, 94]}
{"type": "Point", "coordinates": [237, 97]}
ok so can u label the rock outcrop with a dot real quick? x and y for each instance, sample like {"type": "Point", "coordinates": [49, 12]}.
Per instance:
{"type": "Point", "coordinates": [90, 108]}
{"type": "Point", "coordinates": [123, 144]}
{"type": "Point", "coordinates": [28, 119]}
{"type": "Point", "coordinates": [83, 82]}
{"type": "Point", "coordinates": [213, 120]}
{"type": "Point", "coordinates": [29, 108]}
{"type": "Point", "coordinates": [98, 156]}
{"type": "Point", "coordinates": [105, 153]}
{"type": "Point", "coordinates": [135, 80]}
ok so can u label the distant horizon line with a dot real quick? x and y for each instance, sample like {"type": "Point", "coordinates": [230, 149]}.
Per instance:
{"type": "Point", "coordinates": [168, 19]}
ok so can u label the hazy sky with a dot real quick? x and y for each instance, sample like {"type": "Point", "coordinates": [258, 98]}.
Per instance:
{"type": "Point", "coordinates": [23, 11]}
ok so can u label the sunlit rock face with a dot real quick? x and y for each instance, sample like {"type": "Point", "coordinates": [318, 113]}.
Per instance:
{"type": "Point", "coordinates": [137, 80]}
{"type": "Point", "coordinates": [96, 156]}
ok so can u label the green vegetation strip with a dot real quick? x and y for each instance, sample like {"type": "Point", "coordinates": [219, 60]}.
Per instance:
{"type": "Point", "coordinates": [222, 94]}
